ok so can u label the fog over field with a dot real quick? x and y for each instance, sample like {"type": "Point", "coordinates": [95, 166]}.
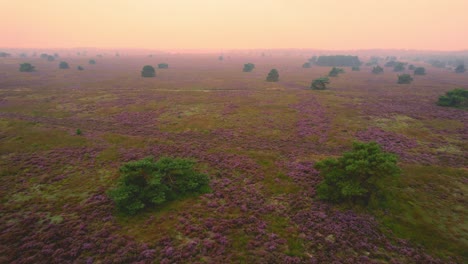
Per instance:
{"type": "Point", "coordinates": [233, 131]}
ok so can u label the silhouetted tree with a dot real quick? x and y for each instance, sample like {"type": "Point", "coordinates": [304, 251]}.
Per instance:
{"type": "Point", "coordinates": [80, 68]}
{"type": "Point", "coordinates": [248, 67]}
{"type": "Point", "coordinates": [163, 66]}
{"type": "Point", "coordinates": [50, 58]}
{"type": "Point", "coordinates": [420, 71]}
{"type": "Point", "coordinates": [92, 62]}
{"type": "Point", "coordinates": [148, 71]}
{"type": "Point", "coordinates": [460, 68]}
{"type": "Point", "coordinates": [320, 83]}
{"type": "Point", "coordinates": [26, 67]}
{"type": "Point", "coordinates": [335, 71]}
{"type": "Point", "coordinates": [404, 79]}
{"type": "Point", "coordinates": [273, 76]}
{"type": "Point", "coordinates": [411, 67]}
{"type": "Point", "coordinates": [377, 70]}
{"type": "Point", "coordinates": [399, 66]}
{"type": "Point", "coordinates": [306, 65]}
{"type": "Point", "coordinates": [44, 56]}
{"type": "Point", "coordinates": [63, 65]}
{"type": "Point", "coordinates": [338, 61]}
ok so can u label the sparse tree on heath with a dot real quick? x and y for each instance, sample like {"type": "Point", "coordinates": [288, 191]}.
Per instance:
{"type": "Point", "coordinates": [148, 71]}
{"type": "Point", "coordinates": [320, 83]}
{"type": "Point", "coordinates": [273, 76]}
{"type": "Point", "coordinates": [248, 67]}
{"type": "Point", "coordinates": [404, 79]}
{"type": "Point", "coordinates": [26, 67]}
{"type": "Point", "coordinates": [420, 71]}
{"type": "Point", "coordinates": [64, 65]}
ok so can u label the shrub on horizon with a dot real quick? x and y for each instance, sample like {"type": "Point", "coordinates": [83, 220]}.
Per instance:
{"type": "Point", "coordinates": [26, 67]}
{"type": "Point", "coordinates": [377, 70]}
{"type": "Point", "coordinates": [248, 67]}
{"type": "Point", "coordinates": [460, 68]}
{"type": "Point", "coordinates": [358, 175]}
{"type": "Point", "coordinates": [273, 76]}
{"type": "Point", "coordinates": [64, 65]}
{"type": "Point", "coordinates": [335, 71]}
{"type": "Point", "coordinates": [404, 79]}
{"type": "Point", "coordinates": [148, 71]}
{"type": "Point", "coordinates": [320, 83]}
{"type": "Point", "coordinates": [420, 71]}
{"type": "Point", "coordinates": [163, 66]}
{"type": "Point", "coordinates": [146, 182]}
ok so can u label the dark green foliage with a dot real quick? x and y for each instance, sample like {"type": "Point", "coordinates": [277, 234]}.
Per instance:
{"type": "Point", "coordinates": [50, 58]}
{"type": "Point", "coordinates": [460, 68]}
{"type": "Point", "coordinates": [377, 70]}
{"type": "Point", "coordinates": [26, 67]}
{"type": "Point", "coordinates": [273, 76]}
{"type": "Point", "coordinates": [454, 98]}
{"type": "Point", "coordinates": [64, 65]}
{"type": "Point", "coordinates": [79, 132]}
{"type": "Point", "coordinates": [404, 79]}
{"type": "Point", "coordinates": [148, 71]}
{"type": "Point", "coordinates": [163, 66]}
{"type": "Point", "coordinates": [420, 71]}
{"type": "Point", "coordinates": [146, 183]}
{"type": "Point", "coordinates": [390, 64]}
{"type": "Point", "coordinates": [338, 61]}
{"type": "Point", "coordinates": [306, 65]}
{"type": "Point", "coordinates": [357, 175]}
{"type": "Point", "coordinates": [320, 83]}
{"type": "Point", "coordinates": [335, 71]}
{"type": "Point", "coordinates": [248, 67]}
{"type": "Point", "coordinates": [80, 68]}
{"type": "Point", "coordinates": [4, 54]}
{"type": "Point", "coordinates": [92, 62]}
{"type": "Point", "coordinates": [355, 68]}
{"type": "Point", "coordinates": [399, 66]}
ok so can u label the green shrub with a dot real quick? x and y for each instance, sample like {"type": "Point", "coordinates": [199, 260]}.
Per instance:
{"type": "Point", "coordinates": [63, 65]}
{"type": "Point", "coordinates": [273, 76]}
{"type": "Point", "coordinates": [404, 79]}
{"type": "Point", "coordinates": [146, 183]}
{"type": "Point", "coordinates": [455, 98]}
{"type": "Point", "coordinates": [248, 67]}
{"type": "Point", "coordinates": [163, 66]}
{"type": "Point", "coordinates": [92, 62]}
{"type": "Point", "coordinates": [50, 58]}
{"type": "Point", "coordinates": [420, 71]}
{"type": "Point", "coordinates": [26, 67]}
{"type": "Point", "coordinates": [335, 71]}
{"type": "Point", "coordinates": [320, 83]}
{"type": "Point", "coordinates": [148, 71]}
{"type": "Point", "coordinates": [357, 175]}
{"type": "Point", "coordinates": [460, 68]}
{"type": "Point", "coordinates": [307, 65]}
{"type": "Point", "coordinates": [377, 70]}
{"type": "Point", "coordinates": [79, 132]}
{"type": "Point", "coordinates": [399, 67]}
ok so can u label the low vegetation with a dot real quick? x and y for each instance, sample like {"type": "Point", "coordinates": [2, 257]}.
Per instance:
{"type": "Point", "coordinates": [248, 67]}
{"type": "Point", "coordinates": [454, 98]}
{"type": "Point", "coordinates": [26, 67]}
{"type": "Point", "coordinates": [320, 83]}
{"type": "Point", "coordinates": [273, 76]}
{"type": "Point", "coordinates": [147, 183]}
{"type": "Point", "coordinates": [404, 79]}
{"type": "Point", "coordinates": [148, 71]}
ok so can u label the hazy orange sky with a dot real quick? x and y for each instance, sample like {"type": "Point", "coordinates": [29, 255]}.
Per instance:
{"type": "Point", "coordinates": [226, 24]}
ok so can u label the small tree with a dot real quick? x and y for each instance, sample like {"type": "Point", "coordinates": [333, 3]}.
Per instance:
{"type": "Point", "coordinates": [248, 67]}
{"type": "Point", "coordinates": [26, 67]}
{"type": "Point", "coordinates": [44, 56]}
{"type": "Point", "coordinates": [320, 83]}
{"type": "Point", "coordinates": [146, 183]}
{"type": "Point", "coordinates": [404, 79]}
{"type": "Point", "coordinates": [50, 58]}
{"type": "Point", "coordinates": [80, 68]}
{"type": "Point", "coordinates": [460, 68]}
{"type": "Point", "coordinates": [355, 68]}
{"type": "Point", "coordinates": [357, 175]}
{"type": "Point", "coordinates": [92, 62]}
{"type": "Point", "coordinates": [399, 67]}
{"type": "Point", "coordinates": [454, 98]}
{"type": "Point", "coordinates": [420, 71]}
{"type": "Point", "coordinates": [148, 71]}
{"type": "Point", "coordinates": [306, 65]}
{"type": "Point", "coordinates": [377, 70]}
{"type": "Point", "coordinates": [273, 76]}
{"type": "Point", "coordinates": [335, 71]}
{"type": "Point", "coordinates": [63, 65]}
{"type": "Point", "coordinates": [411, 67]}
{"type": "Point", "coordinates": [163, 66]}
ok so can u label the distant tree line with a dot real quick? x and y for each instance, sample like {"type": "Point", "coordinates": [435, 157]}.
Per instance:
{"type": "Point", "coordinates": [338, 61]}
